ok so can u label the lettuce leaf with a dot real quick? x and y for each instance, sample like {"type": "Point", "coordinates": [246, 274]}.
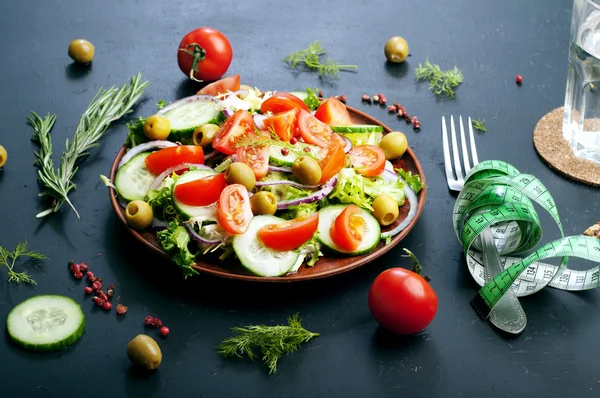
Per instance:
{"type": "Point", "coordinates": [312, 100]}
{"type": "Point", "coordinates": [413, 181]}
{"type": "Point", "coordinates": [353, 188]}
{"type": "Point", "coordinates": [136, 134]}
{"type": "Point", "coordinates": [174, 241]}
{"type": "Point", "coordinates": [161, 200]}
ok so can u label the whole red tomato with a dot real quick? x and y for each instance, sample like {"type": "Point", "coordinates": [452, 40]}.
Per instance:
{"type": "Point", "coordinates": [402, 301]}
{"type": "Point", "coordinates": [204, 54]}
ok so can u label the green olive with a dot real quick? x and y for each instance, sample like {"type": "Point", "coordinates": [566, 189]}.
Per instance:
{"type": "Point", "coordinates": [307, 170]}
{"type": "Point", "coordinates": [396, 49]}
{"type": "Point", "coordinates": [385, 209]}
{"type": "Point", "coordinates": [394, 145]}
{"type": "Point", "coordinates": [240, 173]}
{"type": "Point", "coordinates": [143, 351]}
{"type": "Point", "coordinates": [3, 156]}
{"type": "Point", "coordinates": [157, 127]}
{"type": "Point", "coordinates": [138, 214]}
{"type": "Point", "coordinates": [81, 51]}
{"type": "Point", "coordinates": [205, 134]}
{"type": "Point", "coordinates": [263, 202]}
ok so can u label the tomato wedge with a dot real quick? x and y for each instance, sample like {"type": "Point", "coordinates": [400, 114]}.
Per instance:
{"type": "Point", "coordinates": [348, 229]}
{"type": "Point", "coordinates": [230, 83]}
{"type": "Point", "coordinates": [368, 160]}
{"type": "Point", "coordinates": [289, 235]}
{"type": "Point", "coordinates": [312, 130]}
{"type": "Point", "coordinates": [257, 157]}
{"type": "Point", "coordinates": [236, 127]}
{"type": "Point", "coordinates": [333, 159]}
{"type": "Point", "coordinates": [283, 124]}
{"type": "Point", "coordinates": [159, 161]}
{"type": "Point", "coordinates": [234, 209]}
{"type": "Point", "coordinates": [202, 192]}
{"type": "Point", "coordinates": [281, 102]}
{"type": "Point", "coordinates": [334, 113]}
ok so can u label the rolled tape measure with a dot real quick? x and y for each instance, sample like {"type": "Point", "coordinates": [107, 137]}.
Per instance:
{"type": "Point", "coordinates": [497, 195]}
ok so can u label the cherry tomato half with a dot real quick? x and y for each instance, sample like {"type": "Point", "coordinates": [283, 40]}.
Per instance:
{"type": "Point", "coordinates": [289, 235]}
{"type": "Point", "coordinates": [333, 113]}
{"type": "Point", "coordinates": [227, 84]}
{"type": "Point", "coordinates": [204, 54]}
{"type": "Point", "coordinates": [282, 124]}
{"type": "Point", "coordinates": [368, 160]}
{"type": "Point", "coordinates": [159, 161]}
{"type": "Point", "coordinates": [257, 157]}
{"type": "Point", "coordinates": [234, 209]}
{"type": "Point", "coordinates": [235, 128]}
{"type": "Point", "coordinates": [402, 301]}
{"type": "Point", "coordinates": [281, 102]}
{"type": "Point", "coordinates": [348, 229]}
{"type": "Point", "coordinates": [201, 192]}
{"type": "Point", "coordinates": [312, 130]}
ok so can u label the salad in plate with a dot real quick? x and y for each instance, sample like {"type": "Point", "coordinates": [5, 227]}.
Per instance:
{"type": "Point", "coordinates": [275, 179]}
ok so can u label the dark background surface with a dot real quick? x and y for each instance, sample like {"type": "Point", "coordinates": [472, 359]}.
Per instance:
{"type": "Point", "coordinates": [458, 355]}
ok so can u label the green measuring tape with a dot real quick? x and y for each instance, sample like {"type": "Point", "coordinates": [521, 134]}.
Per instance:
{"type": "Point", "coordinates": [497, 195]}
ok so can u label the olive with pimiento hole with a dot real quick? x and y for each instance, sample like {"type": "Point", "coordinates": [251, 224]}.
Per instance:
{"type": "Point", "coordinates": [263, 202]}
{"type": "Point", "coordinates": [394, 145]}
{"type": "Point", "coordinates": [385, 209]}
{"type": "Point", "coordinates": [157, 127]}
{"type": "Point", "coordinates": [138, 214]}
{"type": "Point", "coordinates": [82, 51]}
{"type": "Point", "coordinates": [396, 49]}
{"type": "Point", "coordinates": [205, 134]}
{"type": "Point", "coordinates": [240, 173]}
{"type": "Point", "coordinates": [307, 170]}
{"type": "Point", "coordinates": [144, 352]}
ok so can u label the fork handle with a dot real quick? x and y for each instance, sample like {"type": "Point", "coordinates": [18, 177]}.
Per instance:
{"type": "Point", "coordinates": [507, 315]}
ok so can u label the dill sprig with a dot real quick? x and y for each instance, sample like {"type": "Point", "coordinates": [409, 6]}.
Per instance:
{"type": "Point", "coordinates": [479, 124]}
{"type": "Point", "coordinates": [271, 341]}
{"type": "Point", "coordinates": [9, 258]}
{"type": "Point", "coordinates": [106, 107]}
{"type": "Point", "coordinates": [312, 58]}
{"type": "Point", "coordinates": [441, 82]}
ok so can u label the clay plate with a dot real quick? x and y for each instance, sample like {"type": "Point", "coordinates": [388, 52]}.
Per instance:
{"type": "Point", "coordinates": [326, 266]}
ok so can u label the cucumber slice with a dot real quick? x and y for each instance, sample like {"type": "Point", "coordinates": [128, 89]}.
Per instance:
{"type": "Point", "coordinates": [133, 179]}
{"type": "Point", "coordinates": [188, 114]}
{"type": "Point", "coordinates": [204, 212]}
{"type": "Point", "coordinates": [358, 128]}
{"type": "Point", "coordinates": [46, 322]}
{"type": "Point", "coordinates": [364, 138]}
{"type": "Point", "coordinates": [258, 258]}
{"type": "Point", "coordinates": [300, 94]}
{"type": "Point", "coordinates": [327, 216]}
{"type": "Point", "coordinates": [278, 159]}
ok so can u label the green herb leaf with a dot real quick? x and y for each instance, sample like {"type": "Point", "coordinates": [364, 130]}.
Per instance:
{"type": "Point", "coordinates": [479, 124]}
{"type": "Point", "coordinates": [442, 83]}
{"type": "Point", "coordinates": [161, 104]}
{"type": "Point", "coordinates": [9, 258]}
{"type": "Point", "coordinates": [272, 342]}
{"type": "Point", "coordinates": [311, 58]}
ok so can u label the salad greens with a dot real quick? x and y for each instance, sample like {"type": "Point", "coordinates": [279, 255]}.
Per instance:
{"type": "Point", "coordinates": [413, 180]}
{"type": "Point", "coordinates": [174, 240]}
{"type": "Point", "coordinates": [362, 191]}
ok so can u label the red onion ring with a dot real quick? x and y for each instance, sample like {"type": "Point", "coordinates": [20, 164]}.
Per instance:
{"type": "Point", "coordinates": [348, 145]}
{"type": "Point", "coordinates": [259, 120]}
{"type": "Point", "coordinates": [414, 203]}
{"type": "Point", "coordinates": [146, 146]}
{"type": "Point", "coordinates": [320, 194]}
{"type": "Point", "coordinates": [227, 112]}
{"type": "Point", "coordinates": [286, 182]}
{"type": "Point", "coordinates": [280, 169]}
{"type": "Point", "coordinates": [196, 236]}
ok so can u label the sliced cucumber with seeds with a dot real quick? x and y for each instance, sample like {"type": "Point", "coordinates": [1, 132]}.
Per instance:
{"type": "Point", "coordinates": [364, 138]}
{"type": "Point", "coordinates": [276, 157]}
{"type": "Point", "coordinates": [358, 128]}
{"type": "Point", "coordinates": [46, 322]}
{"type": "Point", "coordinates": [188, 114]}
{"type": "Point", "coordinates": [133, 179]}
{"type": "Point", "coordinates": [371, 238]}
{"type": "Point", "coordinates": [258, 258]}
{"type": "Point", "coordinates": [187, 211]}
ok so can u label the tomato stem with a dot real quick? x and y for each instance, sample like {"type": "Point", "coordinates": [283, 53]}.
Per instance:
{"type": "Point", "coordinates": [198, 54]}
{"type": "Point", "coordinates": [416, 267]}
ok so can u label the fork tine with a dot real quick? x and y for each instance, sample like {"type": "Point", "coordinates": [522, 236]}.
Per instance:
{"type": "Point", "coordinates": [473, 148]}
{"type": "Point", "coordinates": [463, 144]}
{"type": "Point", "coordinates": [446, 149]}
{"type": "Point", "coordinates": [457, 167]}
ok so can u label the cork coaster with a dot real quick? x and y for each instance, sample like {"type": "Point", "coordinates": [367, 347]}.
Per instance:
{"type": "Point", "coordinates": [557, 153]}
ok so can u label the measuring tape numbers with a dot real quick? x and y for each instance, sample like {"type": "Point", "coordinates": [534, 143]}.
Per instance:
{"type": "Point", "coordinates": [498, 196]}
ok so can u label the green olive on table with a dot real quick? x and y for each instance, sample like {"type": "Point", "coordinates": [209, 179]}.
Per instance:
{"type": "Point", "coordinates": [81, 51]}
{"type": "Point", "coordinates": [396, 49]}
{"type": "Point", "coordinates": [240, 173]}
{"type": "Point", "coordinates": [157, 127]}
{"type": "Point", "coordinates": [205, 134]}
{"type": "Point", "coordinates": [3, 156]}
{"type": "Point", "coordinates": [307, 170]}
{"type": "Point", "coordinates": [143, 351]}
{"type": "Point", "coordinates": [263, 202]}
{"type": "Point", "coordinates": [385, 209]}
{"type": "Point", "coordinates": [394, 145]}
{"type": "Point", "coordinates": [138, 214]}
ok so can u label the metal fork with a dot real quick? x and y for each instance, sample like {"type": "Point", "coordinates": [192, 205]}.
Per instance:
{"type": "Point", "coordinates": [507, 315]}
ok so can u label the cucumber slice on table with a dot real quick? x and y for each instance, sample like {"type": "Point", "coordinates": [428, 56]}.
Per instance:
{"type": "Point", "coordinates": [187, 211]}
{"type": "Point", "coordinates": [133, 179]}
{"type": "Point", "coordinates": [279, 159]}
{"type": "Point", "coordinates": [258, 258]}
{"type": "Point", "coordinates": [358, 128]}
{"type": "Point", "coordinates": [46, 322]}
{"type": "Point", "coordinates": [187, 115]}
{"type": "Point", "coordinates": [327, 216]}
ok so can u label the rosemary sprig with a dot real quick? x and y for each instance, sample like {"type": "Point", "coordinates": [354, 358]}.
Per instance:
{"type": "Point", "coordinates": [311, 57]}
{"type": "Point", "coordinates": [441, 82]}
{"type": "Point", "coordinates": [106, 107]}
{"type": "Point", "coordinates": [9, 258]}
{"type": "Point", "coordinates": [479, 124]}
{"type": "Point", "coordinates": [271, 341]}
